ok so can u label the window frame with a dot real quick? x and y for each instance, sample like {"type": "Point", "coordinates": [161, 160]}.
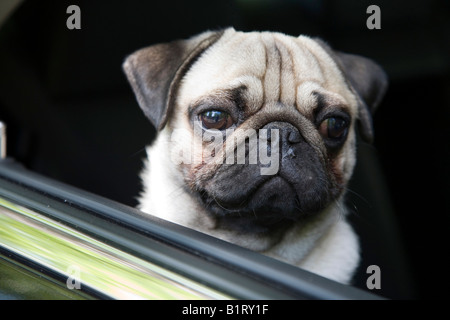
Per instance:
{"type": "Point", "coordinates": [226, 270]}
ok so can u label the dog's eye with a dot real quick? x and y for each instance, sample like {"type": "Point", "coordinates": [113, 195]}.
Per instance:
{"type": "Point", "coordinates": [333, 128]}
{"type": "Point", "coordinates": [215, 119]}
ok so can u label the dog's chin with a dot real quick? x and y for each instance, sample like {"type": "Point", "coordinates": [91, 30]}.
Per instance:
{"type": "Point", "coordinates": [274, 204]}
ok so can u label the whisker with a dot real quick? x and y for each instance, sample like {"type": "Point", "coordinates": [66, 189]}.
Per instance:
{"type": "Point", "coordinates": [142, 150]}
{"type": "Point", "coordinates": [359, 196]}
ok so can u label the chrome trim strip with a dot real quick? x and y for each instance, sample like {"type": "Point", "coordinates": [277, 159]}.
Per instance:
{"type": "Point", "coordinates": [82, 258]}
{"type": "Point", "coordinates": [2, 140]}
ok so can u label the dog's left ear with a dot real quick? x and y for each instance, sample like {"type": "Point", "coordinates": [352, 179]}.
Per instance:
{"type": "Point", "coordinates": [367, 79]}
{"type": "Point", "coordinates": [370, 82]}
{"type": "Point", "coordinates": [155, 73]}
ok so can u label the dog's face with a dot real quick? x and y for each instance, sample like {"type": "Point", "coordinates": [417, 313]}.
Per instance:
{"type": "Point", "coordinates": [260, 126]}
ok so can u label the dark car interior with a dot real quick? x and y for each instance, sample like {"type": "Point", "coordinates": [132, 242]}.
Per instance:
{"type": "Point", "coordinates": [72, 116]}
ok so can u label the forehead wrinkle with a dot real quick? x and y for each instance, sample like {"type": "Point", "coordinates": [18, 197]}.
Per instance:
{"type": "Point", "coordinates": [287, 74]}
{"type": "Point", "coordinates": [254, 93]}
{"type": "Point", "coordinates": [271, 77]}
{"type": "Point", "coordinates": [305, 99]}
{"type": "Point", "coordinates": [298, 64]}
{"type": "Point", "coordinates": [312, 94]}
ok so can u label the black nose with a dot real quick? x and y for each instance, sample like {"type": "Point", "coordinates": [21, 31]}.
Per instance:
{"type": "Point", "coordinates": [287, 133]}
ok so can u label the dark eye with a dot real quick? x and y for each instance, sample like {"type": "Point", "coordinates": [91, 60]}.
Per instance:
{"type": "Point", "coordinates": [215, 119]}
{"type": "Point", "coordinates": [334, 128]}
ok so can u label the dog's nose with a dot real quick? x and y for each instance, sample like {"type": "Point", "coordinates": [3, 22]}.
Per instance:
{"type": "Point", "coordinates": [287, 133]}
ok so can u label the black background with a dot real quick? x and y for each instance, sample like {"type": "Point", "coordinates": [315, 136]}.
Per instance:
{"type": "Point", "coordinates": [71, 114]}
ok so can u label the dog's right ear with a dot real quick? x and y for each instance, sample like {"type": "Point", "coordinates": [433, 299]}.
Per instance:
{"type": "Point", "coordinates": [155, 73]}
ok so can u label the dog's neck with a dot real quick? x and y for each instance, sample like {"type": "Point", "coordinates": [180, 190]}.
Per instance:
{"type": "Point", "coordinates": [307, 231]}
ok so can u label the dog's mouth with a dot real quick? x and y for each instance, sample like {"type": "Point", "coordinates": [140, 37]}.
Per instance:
{"type": "Point", "coordinates": [272, 202]}
{"type": "Point", "coordinates": [268, 198]}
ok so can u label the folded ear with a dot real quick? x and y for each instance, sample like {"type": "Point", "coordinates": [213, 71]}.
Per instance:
{"type": "Point", "coordinates": [368, 80]}
{"type": "Point", "coordinates": [370, 83]}
{"type": "Point", "coordinates": [155, 73]}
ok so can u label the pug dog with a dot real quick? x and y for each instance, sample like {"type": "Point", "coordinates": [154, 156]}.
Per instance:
{"type": "Point", "coordinates": [256, 141]}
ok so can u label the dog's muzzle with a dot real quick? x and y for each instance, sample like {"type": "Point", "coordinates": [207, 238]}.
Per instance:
{"type": "Point", "coordinates": [299, 187]}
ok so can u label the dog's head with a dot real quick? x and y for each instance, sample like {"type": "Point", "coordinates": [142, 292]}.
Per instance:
{"type": "Point", "coordinates": [261, 126]}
